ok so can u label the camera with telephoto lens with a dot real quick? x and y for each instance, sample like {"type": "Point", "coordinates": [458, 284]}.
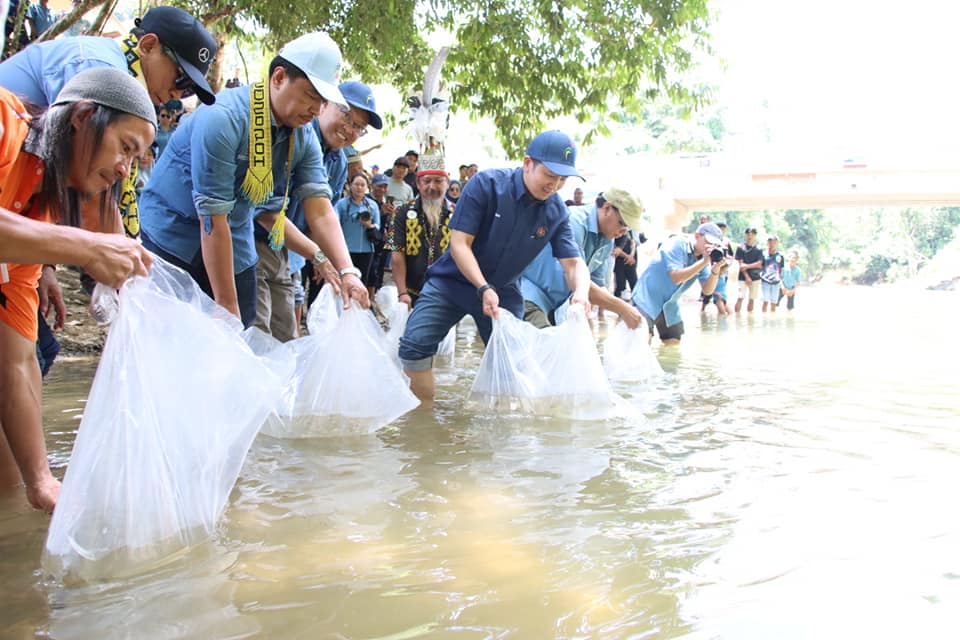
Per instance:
{"type": "Point", "coordinates": [717, 255]}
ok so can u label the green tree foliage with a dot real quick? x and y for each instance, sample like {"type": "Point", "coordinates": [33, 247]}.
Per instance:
{"type": "Point", "coordinates": [519, 62]}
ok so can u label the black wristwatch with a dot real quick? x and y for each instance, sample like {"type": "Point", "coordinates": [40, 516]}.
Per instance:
{"type": "Point", "coordinates": [483, 289]}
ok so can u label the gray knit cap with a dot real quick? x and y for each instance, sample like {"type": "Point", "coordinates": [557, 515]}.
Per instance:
{"type": "Point", "coordinates": [109, 87]}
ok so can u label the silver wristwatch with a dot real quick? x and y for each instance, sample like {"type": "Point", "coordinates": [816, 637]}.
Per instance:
{"type": "Point", "coordinates": [351, 271]}
{"type": "Point", "coordinates": [319, 257]}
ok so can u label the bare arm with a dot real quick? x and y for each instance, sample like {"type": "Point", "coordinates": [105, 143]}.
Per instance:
{"type": "Point", "coordinates": [679, 276]}
{"type": "Point", "coordinates": [217, 249]}
{"type": "Point", "coordinates": [608, 302]}
{"type": "Point", "coordinates": [108, 258]}
{"type": "Point", "coordinates": [577, 277]}
{"type": "Point", "coordinates": [326, 232]}
{"type": "Point", "coordinates": [461, 250]}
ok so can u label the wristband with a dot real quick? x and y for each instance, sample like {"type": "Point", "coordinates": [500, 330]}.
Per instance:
{"type": "Point", "coordinates": [402, 293]}
{"type": "Point", "coordinates": [351, 271]}
{"type": "Point", "coordinates": [483, 289]}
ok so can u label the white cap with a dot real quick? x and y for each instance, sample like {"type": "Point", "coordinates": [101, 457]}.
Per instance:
{"type": "Point", "coordinates": [319, 57]}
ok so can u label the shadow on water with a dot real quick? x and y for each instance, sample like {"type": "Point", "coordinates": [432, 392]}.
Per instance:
{"type": "Point", "coordinates": [788, 477]}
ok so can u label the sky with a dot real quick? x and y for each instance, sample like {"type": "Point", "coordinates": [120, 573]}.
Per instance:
{"type": "Point", "coordinates": [852, 76]}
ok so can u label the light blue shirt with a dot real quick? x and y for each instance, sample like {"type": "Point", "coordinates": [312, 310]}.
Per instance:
{"type": "Point", "coordinates": [543, 283]}
{"type": "Point", "coordinates": [41, 16]}
{"type": "Point", "coordinates": [38, 72]}
{"type": "Point", "coordinates": [791, 276]}
{"type": "Point", "coordinates": [655, 292]}
{"type": "Point", "coordinates": [202, 168]}
{"type": "Point", "coordinates": [353, 232]}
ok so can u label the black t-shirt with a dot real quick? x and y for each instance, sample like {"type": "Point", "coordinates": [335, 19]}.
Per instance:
{"type": "Point", "coordinates": [746, 255]}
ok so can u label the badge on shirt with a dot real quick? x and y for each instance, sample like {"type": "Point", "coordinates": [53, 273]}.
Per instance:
{"type": "Point", "coordinates": [411, 214]}
{"type": "Point", "coordinates": [541, 231]}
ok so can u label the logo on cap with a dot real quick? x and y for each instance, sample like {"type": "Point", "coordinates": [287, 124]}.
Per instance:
{"type": "Point", "coordinates": [566, 152]}
{"type": "Point", "coordinates": [203, 55]}
{"type": "Point", "coordinates": [369, 98]}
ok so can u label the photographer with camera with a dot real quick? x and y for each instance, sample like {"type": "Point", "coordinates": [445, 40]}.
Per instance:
{"type": "Point", "coordinates": [679, 261]}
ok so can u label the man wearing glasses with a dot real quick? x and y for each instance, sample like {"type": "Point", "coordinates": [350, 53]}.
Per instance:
{"type": "Point", "coordinates": [247, 157]}
{"type": "Point", "coordinates": [503, 219]}
{"type": "Point", "coordinates": [278, 272]}
{"type": "Point", "coordinates": [168, 51]}
{"type": "Point", "coordinates": [594, 227]}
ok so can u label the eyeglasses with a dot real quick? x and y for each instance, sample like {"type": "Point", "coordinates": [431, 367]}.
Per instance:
{"type": "Point", "coordinates": [183, 82]}
{"type": "Point", "coordinates": [359, 129]}
{"type": "Point", "coordinates": [623, 223]}
{"type": "Point", "coordinates": [164, 115]}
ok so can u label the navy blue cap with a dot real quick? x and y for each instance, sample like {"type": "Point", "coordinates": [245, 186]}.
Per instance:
{"type": "Point", "coordinates": [360, 96]}
{"type": "Point", "coordinates": [381, 179]}
{"type": "Point", "coordinates": [192, 45]}
{"type": "Point", "coordinates": [557, 151]}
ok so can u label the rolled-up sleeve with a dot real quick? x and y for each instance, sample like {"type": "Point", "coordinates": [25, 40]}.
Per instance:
{"type": "Point", "coordinates": [217, 141]}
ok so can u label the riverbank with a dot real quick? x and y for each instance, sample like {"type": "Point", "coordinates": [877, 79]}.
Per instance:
{"type": "Point", "coordinates": [80, 335]}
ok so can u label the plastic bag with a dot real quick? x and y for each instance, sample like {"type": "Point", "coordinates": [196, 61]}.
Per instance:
{"type": "Point", "coordinates": [346, 382]}
{"type": "Point", "coordinates": [323, 314]}
{"type": "Point", "coordinates": [627, 356]}
{"type": "Point", "coordinates": [510, 378]}
{"type": "Point", "coordinates": [176, 402]}
{"type": "Point", "coordinates": [554, 371]}
{"type": "Point", "coordinates": [447, 347]}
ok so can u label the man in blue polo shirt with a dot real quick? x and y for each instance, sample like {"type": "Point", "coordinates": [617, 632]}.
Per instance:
{"type": "Point", "coordinates": [244, 157]}
{"type": "Point", "coordinates": [680, 261]}
{"type": "Point", "coordinates": [503, 219]}
{"type": "Point", "coordinates": [594, 227]}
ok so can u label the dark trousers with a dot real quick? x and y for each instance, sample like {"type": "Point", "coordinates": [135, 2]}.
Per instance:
{"type": "Point", "coordinates": [623, 274]}
{"type": "Point", "coordinates": [47, 345]}
{"type": "Point", "coordinates": [245, 281]}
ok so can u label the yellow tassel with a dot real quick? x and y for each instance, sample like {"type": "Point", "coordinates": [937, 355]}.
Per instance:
{"type": "Point", "coordinates": [276, 233]}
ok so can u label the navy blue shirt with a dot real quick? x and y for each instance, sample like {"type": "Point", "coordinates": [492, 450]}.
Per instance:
{"type": "Point", "coordinates": [510, 227]}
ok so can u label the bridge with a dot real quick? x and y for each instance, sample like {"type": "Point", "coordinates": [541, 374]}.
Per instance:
{"type": "Point", "coordinates": [676, 187]}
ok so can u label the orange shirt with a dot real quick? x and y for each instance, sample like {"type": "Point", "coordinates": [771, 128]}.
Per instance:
{"type": "Point", "coordinates": [20, 173]}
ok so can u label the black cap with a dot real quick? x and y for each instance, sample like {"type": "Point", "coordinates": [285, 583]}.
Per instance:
{"type": "Point", "coordinates": [402, 160]}
{"type": "Point", "coordinates": [192, 45]}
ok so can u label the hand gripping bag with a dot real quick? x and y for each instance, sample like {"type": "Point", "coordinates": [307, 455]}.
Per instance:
{"type": "Point", "coordinates": [346, 382]}
{"type": "Point", "coordinates": [554, 371]}
{"type": "Point", "coordinates": [627, 356]}
{"type": "Point", "coordinates": [510, 378]}
{"type": "Point", "coordinates": [175, 404]}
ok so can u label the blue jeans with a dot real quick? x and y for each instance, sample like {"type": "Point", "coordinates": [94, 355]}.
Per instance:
{"type": "Point", "coordinates": [245, 281]}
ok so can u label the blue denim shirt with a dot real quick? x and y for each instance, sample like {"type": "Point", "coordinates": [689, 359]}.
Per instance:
{"type": "Point", "coordinates": [38, 72]}
{"type": "Point", "coordinates": [510, 228]}
{"type": "Point", "coordinates": [353, 232]}
{"type": "Point", "coordinates": [335, 162]}
{"type": "Point", "coordinates": [202, 168]}
{"type": "Point", "coordinates": [655, 291]}
{"type": "Point", "coordinates": [543, 283]}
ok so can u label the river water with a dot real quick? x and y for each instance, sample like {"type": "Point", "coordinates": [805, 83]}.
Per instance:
{"type": "Point", "coordinates": [794, 477]}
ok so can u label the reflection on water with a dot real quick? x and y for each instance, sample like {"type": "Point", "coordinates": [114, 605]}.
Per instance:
{"type": "Point", "coordinates": [791, 477]}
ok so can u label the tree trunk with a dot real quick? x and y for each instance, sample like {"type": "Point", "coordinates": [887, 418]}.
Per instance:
{"type": "Point", "coordinates": [70, 19]}
{"type": "Point", "coordinates": [105, 12]}
{"type": "Point", "coordinates": [215, 73]}
{"type": "Point", "coordinates": [13, 44]}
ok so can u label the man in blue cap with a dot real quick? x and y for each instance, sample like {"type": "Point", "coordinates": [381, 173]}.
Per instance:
{"type": "Point", "coordinates": [681, 260]}
{"type": "Point", "coordinates": [244, 158]}
{"type": "Point", "coordinates": [503, 219]}
{"type": "Point", "coordinates": [336, 131]}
